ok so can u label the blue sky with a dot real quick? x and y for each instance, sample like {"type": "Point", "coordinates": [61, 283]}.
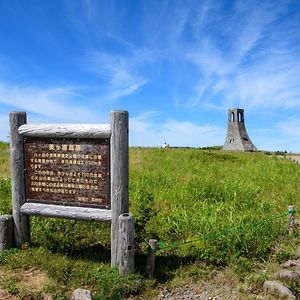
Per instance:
{"type": "Point", "coordinates": [176, 66]}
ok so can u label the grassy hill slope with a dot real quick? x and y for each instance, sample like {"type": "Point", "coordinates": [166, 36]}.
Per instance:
{"type": "Point", "coordinates": [231, 205]}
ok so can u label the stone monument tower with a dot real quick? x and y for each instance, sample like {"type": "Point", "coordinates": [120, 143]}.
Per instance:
{"type": "Point", "coordinates": [237, 138]}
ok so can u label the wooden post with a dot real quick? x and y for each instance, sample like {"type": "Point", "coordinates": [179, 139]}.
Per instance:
{"type": "Point", "coordinates": [119, 177]}
{"type": "Point", "coordinates": [21, 221]}
{"type": "Point", "coordinates": [151, 258]}
{"type": "Point", "coordinates": [6, 232]}
{"type": "Point", "coordinates": [126, 240]}
{"type": "Point", "coordinates": [291, 228]}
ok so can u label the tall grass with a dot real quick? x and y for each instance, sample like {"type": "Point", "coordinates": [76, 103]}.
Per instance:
{"type": "Point", "coordinates": [176, 195]}
{"type": "Point", "coordinates": [4, 160]}
{"type": "Point", "coordinates": [183, 194]}
{"type": "Point", "coordinates": [5, 183]}
{"type": "Point", "coordinates": [197, 193]}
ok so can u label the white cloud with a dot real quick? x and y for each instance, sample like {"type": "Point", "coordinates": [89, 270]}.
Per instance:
{"type": "Point", "coordinates": [210, 59]}
{"type": "Point", "coordinates": [4, 127]}
{"type": "Point", "coordinates": [283, 136]}
{"type": "Point", "coordinates": [220, 53]}
{"type": "Point", "coordinates": [120, 72]}
{"type": "Point", "coordinates": [146, 132]}
{"type": "Point", "coordinates": [290, 127]}
{"type": "Point", "coordinates": [101, 23]}
{"type": "Point", "coordinates": [57, 103]}
{"type": "Point", "coordinates": [142, 123]}
{"type": "Point", "coordinates": [251, 61]}
{"type": "Point", "coordinates": [273, 83]}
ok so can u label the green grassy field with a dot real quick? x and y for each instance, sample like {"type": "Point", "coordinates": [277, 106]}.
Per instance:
{"type": "Point", "coordinates": [232, 205]}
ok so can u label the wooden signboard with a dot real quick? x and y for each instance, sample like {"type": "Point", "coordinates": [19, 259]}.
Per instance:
{"type": "Point", "coordinates": [73, 171]}
{"type": "Point", "coordinates": [68, 171]}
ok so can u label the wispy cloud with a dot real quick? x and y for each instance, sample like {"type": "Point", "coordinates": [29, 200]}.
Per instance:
{"type": "Point", "coordinates": [146, 132]}
{"type": "Point", "coordinates": [4, 127]}
{"type": "Point", "coordinates": [272, 84]}
{"type": "Point", "coordinates": [282, 136]}
{"type": "Point", "coordinates": [290, 127]}
{"type": "Point", "coordinates": [220, 52]}
{"type": "Point", "coordinates": [121, 69]}
{"type": "Point", "coordinates": [56, 102]}
{"type": "Point", "coordinates": [91, 20]}
{"type": "Point", "coordinates": [120, 72]}
{"type": "Point", "coordinates": [143, 122]}
{"type": "Point", "coordinates": [251, 61]}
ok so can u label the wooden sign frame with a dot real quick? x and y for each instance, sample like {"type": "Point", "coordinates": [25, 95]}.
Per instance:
{"type": "Point", "coordinates": [116, 132]}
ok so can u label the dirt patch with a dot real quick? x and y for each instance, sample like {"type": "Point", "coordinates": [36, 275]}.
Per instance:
{"type": "Point", "coordinates": [221, 285]}
{"type": "Point", "coordinates": [34, 279]}
{"type": "Point", "coordinates": [28, 283]}
{"type": "Point", "coordinates": [6, 296]}
{"type": "Point", "coordinates": [295, 158]}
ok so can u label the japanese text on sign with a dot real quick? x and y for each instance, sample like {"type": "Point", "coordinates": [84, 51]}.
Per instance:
{"type": "Point", "coordinates": [68, 171]}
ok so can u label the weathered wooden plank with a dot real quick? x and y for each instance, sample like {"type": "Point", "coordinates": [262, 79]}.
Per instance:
{"type": "Point", "coordinates": [126, 244]}
{"type": "Point", "coordinates": [6, 232]}
{"type": "Point", "coordinates": [21, 221]}
{"type": "Point", "coordinates": [66, 130]}
{"type": "Point", "coordinates": [119, 176]}
{"type": "Point", "coordinates": [67, 212]}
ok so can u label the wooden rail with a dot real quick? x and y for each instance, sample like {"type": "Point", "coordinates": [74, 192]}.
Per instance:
{"type": "Point", "coordinates": [67, 212]}
{"type": "Point", "coordinates": [66, 130]}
